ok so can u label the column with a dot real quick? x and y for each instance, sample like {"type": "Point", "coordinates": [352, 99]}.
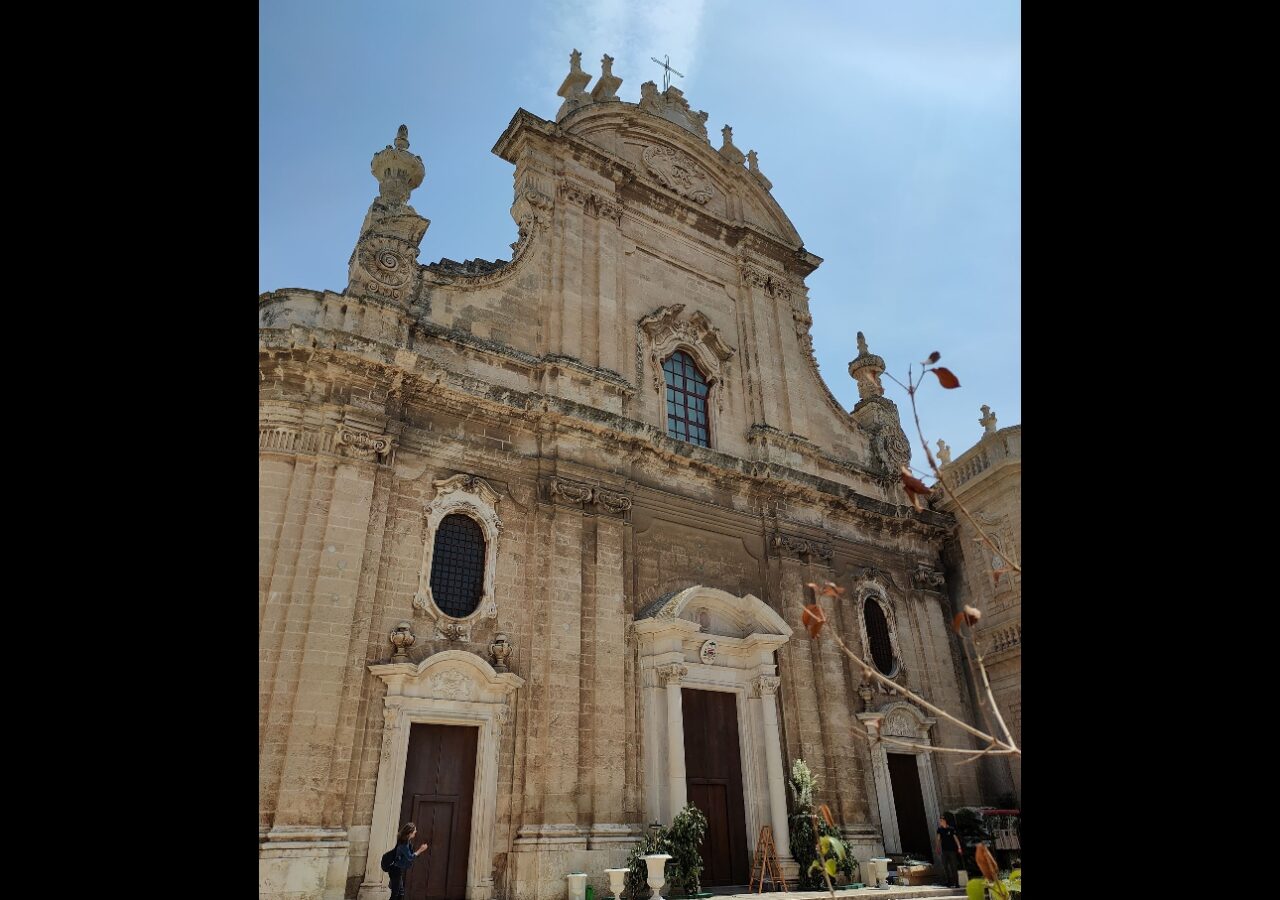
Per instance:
{"type": "Point", "coordinates": [766, 687]}
{"type": "Point", "coordinates": [678, 790]}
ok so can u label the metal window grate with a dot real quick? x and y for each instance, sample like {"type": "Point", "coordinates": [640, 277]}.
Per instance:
{"type": "Point", "coordinates": [686, 400]}
{"type": "Point", "coordinates": [457, 566]}
{"type": "Point", "coordinates": [878, 634]}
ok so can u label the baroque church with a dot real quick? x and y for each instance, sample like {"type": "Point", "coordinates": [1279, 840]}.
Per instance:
{"type": "Point", "coordinates": [534, 535]}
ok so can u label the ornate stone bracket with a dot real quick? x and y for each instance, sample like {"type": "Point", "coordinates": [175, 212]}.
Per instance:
{"type": "Point", "coordinates": [471, 496]}
{"type": "Point", "coordinates": [927, 578]}
{"type": "Point", "coordinates": [575, 493]}
{"type": "Point", "coordinates": [807, 550]}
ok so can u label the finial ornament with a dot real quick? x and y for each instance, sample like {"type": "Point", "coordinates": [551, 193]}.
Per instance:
{"type": "Point", "coordinates": [944, 452]}
{"type": "Point", "coordinates": [402, 138]}
{"type": "Point", "coordinates": [572, 88]}
{"type": "Point", "coordinates": [731, 153]}
{"type": "Point", "coordinates": [866, 369]}
{"type": "Point", "coordinates": [607, 85]}
{"type": "Point", "coordinates": [988, 420]}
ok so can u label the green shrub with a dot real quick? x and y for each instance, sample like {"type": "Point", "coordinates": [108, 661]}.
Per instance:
{"type": "Point", "coordinates": [803, 840]}
{"type": "Point", "coordinates": [684, 869]}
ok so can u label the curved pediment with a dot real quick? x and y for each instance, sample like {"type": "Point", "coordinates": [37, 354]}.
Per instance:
{"type": "Point", "coordinates": [682, 163]}
{"type": "Point", "coordinates": [718, 612]}
{"type": "Point", "coordinates": [448, 675]}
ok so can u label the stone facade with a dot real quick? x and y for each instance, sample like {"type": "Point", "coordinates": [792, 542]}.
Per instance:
{"type": "Point", "coordinates": [528, 394]}
{"type": "Point", "coordinates": [987, 479]}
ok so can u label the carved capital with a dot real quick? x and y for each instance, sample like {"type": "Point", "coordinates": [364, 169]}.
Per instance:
{"type": "Point", "coordinates": [672, 674]}
{"type": "Point", "coordinates": [766, 685]}
{"type": "Point", "coordinates": [364, 445]}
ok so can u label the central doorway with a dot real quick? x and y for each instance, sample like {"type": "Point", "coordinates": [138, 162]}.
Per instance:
{"type": "Point", "coordinates": [439, 785]}
{"type": "Point", "coordinates": [908, 799]}
{"type": "Point", "coordinates": [713, 772]}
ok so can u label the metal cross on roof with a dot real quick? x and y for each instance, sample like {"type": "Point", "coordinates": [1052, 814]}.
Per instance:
{"type": "Point", "coordinates": [665, 62]}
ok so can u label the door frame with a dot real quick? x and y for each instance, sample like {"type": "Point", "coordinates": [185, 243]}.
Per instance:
{"type": "Point", "coordinates": [453, 687]}
{"type": "Point", "coordinates": [671, 638]}
{"type": "Point", "coordinates": [903, 720]}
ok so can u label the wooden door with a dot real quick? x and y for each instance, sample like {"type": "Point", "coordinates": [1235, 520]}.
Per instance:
{"type": "Point", "coordinates": [439, 783]}
{"type": "Point", "coordinates": [713, 771]}
{"type": "Point", "coordinates": [908, 800]}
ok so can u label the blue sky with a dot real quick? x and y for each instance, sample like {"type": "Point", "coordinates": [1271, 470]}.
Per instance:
{"type": "Point", "coordinates": [891, 132]}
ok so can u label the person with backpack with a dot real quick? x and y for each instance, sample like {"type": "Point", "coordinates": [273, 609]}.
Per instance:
{"type": "Point", "coordinates": [398, 859]}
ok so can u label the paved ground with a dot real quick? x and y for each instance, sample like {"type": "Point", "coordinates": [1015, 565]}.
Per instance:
{"type": "Point", "coordinates": [896, 892]}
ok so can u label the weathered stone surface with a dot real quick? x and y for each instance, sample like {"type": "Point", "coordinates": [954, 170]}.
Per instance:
{"type": "Point", "coordinates": [534, 386]}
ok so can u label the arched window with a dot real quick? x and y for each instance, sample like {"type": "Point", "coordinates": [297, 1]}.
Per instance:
{"type": "Point", "coordinates": [457, 566]}
{"type": "Point", "coordinates": [878, 636]}
{"type": "Point", "coordinates": [686, 400]}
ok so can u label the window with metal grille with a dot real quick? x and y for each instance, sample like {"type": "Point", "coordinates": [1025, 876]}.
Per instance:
{"type": "Point", "coordinates": [878, 635]}
{"type": "Point", "coordinates": [457, 566]}
{"type": "Point", "coordinates": [686, 400]}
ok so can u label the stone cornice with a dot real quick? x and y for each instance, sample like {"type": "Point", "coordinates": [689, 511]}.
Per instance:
{"type": "Point", "coordinates": [469, 396]}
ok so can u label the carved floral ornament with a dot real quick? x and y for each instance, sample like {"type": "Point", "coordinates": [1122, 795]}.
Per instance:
{"type": "Point", "coordinates": [575, 492]}
{"type": "Point", "coordinates": [678, 172]}
{"type": "Point", "coordinates": [668, 330]}
{"type": "Point", "coordinates": [470, 496]}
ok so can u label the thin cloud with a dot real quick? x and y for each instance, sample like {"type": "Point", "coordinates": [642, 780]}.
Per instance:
{"type": "Point", "coordinates": [631, 34]}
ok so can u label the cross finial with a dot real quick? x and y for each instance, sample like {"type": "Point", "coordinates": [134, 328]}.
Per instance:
{"type": "Point", "coordinates": [665, 62]}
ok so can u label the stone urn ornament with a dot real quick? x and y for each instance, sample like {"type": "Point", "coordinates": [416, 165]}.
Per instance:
{"type": "Point", "coordinates": [657, 863]}
{"type": "Point", "coordinates": [402, 638]}
{"type": "Point", "coordinates": [617, 881]}
{"type": "Point", "coordinates": [500, 650]}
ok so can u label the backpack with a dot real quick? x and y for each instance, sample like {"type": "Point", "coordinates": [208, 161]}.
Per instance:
{"type": "Point", "coordinates": [387, 858]}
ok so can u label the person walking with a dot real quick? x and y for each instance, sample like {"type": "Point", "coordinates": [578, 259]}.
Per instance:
{"type": "Point", "coordinates": [949, 851]}
{"type": "Point", "coordinates": [401, 858]}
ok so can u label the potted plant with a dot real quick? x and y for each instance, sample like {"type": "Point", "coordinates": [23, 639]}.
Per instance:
{"type": "Point", "coordinates": [684, 869]}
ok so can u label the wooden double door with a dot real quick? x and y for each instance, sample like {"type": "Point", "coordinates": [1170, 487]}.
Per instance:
{"type": "Point", "coordinates": [439, 787]}
{"type": "Point", "coordinates": [713, 773]}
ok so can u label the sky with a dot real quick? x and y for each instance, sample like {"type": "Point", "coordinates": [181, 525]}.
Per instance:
{"type": "Point", "coordinates": [891, 132]}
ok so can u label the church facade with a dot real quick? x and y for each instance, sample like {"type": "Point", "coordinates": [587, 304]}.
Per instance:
{"type": "Point", "coordinates": [534, 534]}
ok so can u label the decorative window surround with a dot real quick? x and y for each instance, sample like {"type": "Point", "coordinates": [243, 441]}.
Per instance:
{"type": "Point", "coordinates": [453, 687]}
{"type": "Point", "coordinates": [747, 632]}
{"type": "Point", "coordinates": [473, 497]}
{"type": "Point", "coordinates": [901, 719]}
{"type": "Point", "coordinates": [876, 594]}
{"type": "Point", "coordinates": [668, 331]}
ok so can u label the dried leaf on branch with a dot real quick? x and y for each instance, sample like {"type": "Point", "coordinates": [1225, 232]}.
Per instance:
{"type": "Point", "coordinates": [946, 377]}
{"type": "Point", "coordinates": [969, 616]}
{"type": "Point", "coordinates": [914, 487]}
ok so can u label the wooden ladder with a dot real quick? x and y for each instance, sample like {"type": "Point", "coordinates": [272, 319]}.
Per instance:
{"type": "Point", "coordinates": [766, 863]}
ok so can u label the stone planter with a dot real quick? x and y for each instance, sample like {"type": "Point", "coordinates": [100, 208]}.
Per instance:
{"type": "Point", "coordinates": [617, 881]}
{"type": "Point", "coordinates": [657, 863]}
